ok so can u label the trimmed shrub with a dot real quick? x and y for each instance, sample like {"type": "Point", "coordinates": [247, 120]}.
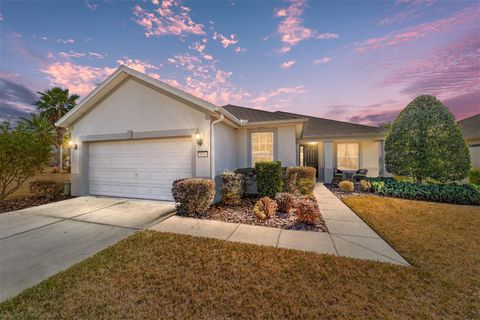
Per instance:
{"type": "Point", "coordinates": [269, 178]}
{"type": "Point", "coordinates": [306, 210]}
{"type": "Point", "coordinates": [265, 208]}
{"type": "Point", "coordinates": [285, 201]}
{"type": "Point", "coordinates": [346, 186]}
{"type": "Point", "coordinates": [46, 188]}
{"type": "Point", "coordinates": [448, 193]}
{"type": "Point", "coordinates": [365, 185]}
{"type": "Point", "coordinates": [232, 184]}
{"type": "Point", "coordinates": [193, 195]}
{"type": "Point", "coordinates": [290, 182]}
{"type": "Point", "coordinates": [474, 176]}
{"type": "Point", "coordinates": [303, 172]}
{"type": "Point", "coordinates": [305, 186]}
{"type": "Point", "coordinates": [426, 142]}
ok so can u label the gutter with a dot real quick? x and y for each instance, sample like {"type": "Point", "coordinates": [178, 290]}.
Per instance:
{"type": "Point", "coordinates": [212, 145]}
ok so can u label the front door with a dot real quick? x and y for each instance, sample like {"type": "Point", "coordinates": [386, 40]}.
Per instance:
{"type": "Point", "coordinates": [309, 155]}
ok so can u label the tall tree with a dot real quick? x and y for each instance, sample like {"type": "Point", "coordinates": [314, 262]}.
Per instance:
{"type": "Point", "coordinates": [425, 142]}
{"type": "Point", "coordinates": [54, 104]}
{"type": "Point", "coordinates": [41, 126]}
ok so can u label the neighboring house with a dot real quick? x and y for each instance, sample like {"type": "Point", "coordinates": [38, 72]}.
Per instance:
{"type": "Point", "coordinates": [134, 135]}
{"type": "Point", "coordinates": [471, 132]}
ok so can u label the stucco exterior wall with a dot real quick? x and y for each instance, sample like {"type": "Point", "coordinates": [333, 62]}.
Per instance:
{"type": "Point", "coordinates": [286, 145]}
{"type": "Point", "coordinates": [370, 158]}
{"type": "Point", "coordinates": [225, 148]}
{"type": "Point", "coordinates": [139, 108]}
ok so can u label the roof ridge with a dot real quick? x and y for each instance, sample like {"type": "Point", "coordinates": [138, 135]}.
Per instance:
{"type": "Point", "coordinates": [354, 123]}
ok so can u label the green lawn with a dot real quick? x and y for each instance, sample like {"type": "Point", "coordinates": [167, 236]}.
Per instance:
{"type": "Point", "coordinates": [158, 275]}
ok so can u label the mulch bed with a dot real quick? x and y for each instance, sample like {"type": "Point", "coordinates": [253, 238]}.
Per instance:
{"type": "Point", "coordinates": [243, 213]}
{"type": "Point", "coordinates": [22, 203]}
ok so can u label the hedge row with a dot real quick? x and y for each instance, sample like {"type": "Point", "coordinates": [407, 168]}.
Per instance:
{"type": "Point", "coordinates": [448, 193]}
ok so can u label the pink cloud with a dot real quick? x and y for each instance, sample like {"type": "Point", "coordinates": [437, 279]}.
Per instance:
{"type": "Point", "coordinates": [463, 17]}
{"type": "Point", "coordinates": [291, 28]}
{"type": "Point", "coordinates": [446, 71]}
{"type": "Point", "coordinates": [78, 79]}
{"type": "Point", "coordinates": [276, 99]}
{"type": "Point", "coordinates": [137, 64]}
{"type": "Point", "coordinates": [287, 64]}
{"type": "Point", "coordinates": [170, 18]}
{"type": "Point", "coordinates": [225, 41]}
{"type": "Point", "coordinates": [410, 10]}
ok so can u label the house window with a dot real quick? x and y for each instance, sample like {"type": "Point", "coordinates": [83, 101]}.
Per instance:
{"type": "Point", "coordinates": [348, 156]}
{"type": "Point", "coordinates": [262, 147]}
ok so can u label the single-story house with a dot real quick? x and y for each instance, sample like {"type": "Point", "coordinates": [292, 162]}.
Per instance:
{"type": "Point", "coordinates": [134, 135]}
{"type": "Point", "coordinates": [471, 132]}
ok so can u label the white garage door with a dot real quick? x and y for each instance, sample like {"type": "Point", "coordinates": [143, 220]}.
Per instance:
{"type": "Point", "coordinates": [139, 168]}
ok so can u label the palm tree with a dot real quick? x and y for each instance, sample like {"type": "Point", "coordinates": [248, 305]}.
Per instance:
{"type": "Point", "coordinates": [41, 126]}
{"type": "Point", "coordinates": [54, 104]}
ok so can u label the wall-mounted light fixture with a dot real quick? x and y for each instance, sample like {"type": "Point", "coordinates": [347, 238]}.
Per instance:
{"type": "Point", "coordinates": [198, 138]}
{"type": "Point", "coordinates": [72, 145]}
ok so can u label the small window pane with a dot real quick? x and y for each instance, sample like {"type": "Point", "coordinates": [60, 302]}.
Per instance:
{"type": "Point", "coordinates": [348, 156]}
{"type": "Point", "coordinates": [262, 146]}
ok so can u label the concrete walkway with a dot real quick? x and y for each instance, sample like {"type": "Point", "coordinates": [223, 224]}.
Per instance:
{"type": "Point", "coordinates": [349, 236]}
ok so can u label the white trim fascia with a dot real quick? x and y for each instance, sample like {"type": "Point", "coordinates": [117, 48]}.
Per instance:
{"type": "Point", "coordinates": [274, 122]}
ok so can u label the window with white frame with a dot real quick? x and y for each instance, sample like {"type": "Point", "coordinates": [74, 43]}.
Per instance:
{"type": "Point", "coordinates": [262, 146]}
{"type": "Point", "coordinates": [348, 156]}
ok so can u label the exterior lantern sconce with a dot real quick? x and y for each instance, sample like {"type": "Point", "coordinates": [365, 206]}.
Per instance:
{"type": "Point", "coordinates": [72, 145]}
{"type": "Point", "coordinates": [198, 138]}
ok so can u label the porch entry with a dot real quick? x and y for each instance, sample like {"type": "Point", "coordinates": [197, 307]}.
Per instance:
{"type": "Point", "coordinates": [309, 156]}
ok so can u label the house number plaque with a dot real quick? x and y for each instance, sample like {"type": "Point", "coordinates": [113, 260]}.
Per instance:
{"type": "Point", "coordinates": [202, 154]}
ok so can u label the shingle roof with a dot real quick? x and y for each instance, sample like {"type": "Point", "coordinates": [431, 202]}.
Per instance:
{"type": "Point", "coordinates": [315, 127]}
{"type": "Point", "coordinates": [255, 115]}
{"type": "Point", "coordinates": [470, 127]}
{"type": "Point", "coordinates": [320, 127]}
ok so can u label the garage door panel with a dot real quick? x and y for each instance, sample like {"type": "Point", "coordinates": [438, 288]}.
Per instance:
{"type": "Point", "coordinates": [139, 168]}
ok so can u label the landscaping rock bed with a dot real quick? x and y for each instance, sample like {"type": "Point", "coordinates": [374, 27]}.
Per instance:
{"type": "Point", "coordinates": [243, 213]}
{"type": "Point", "coordinates": [22, 203]}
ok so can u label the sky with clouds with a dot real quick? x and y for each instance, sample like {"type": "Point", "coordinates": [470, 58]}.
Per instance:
{"type": "Point", "coordinates": [347, 60]}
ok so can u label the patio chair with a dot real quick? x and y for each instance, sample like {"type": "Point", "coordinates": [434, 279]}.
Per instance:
{"type": "Point", "coordinates": [360, 174]}
{"type": "Point", "coordinates": [337, 176]}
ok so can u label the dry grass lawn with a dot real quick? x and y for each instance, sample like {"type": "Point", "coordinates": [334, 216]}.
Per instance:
{"type": "Point", "coordinates": [24, 190]}
{"type": "Point", "coordinates": [156, 275]}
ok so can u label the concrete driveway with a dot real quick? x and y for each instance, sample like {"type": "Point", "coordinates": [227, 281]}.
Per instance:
{"type": "Point", "coordinates": [38, 242]}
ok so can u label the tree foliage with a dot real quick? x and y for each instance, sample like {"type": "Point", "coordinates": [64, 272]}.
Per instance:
{"type": "Point", "coordinates": [41, 126]}
{"type": "Point", "coordinates": [54, 104]}
{"type": "Point", "coordinates": [23, 153]}
{"type": "Point", "coordinates": [425, 142]}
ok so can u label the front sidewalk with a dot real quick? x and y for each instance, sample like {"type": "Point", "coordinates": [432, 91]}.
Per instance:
{"type": "Point", "coordinates": [348, 235]}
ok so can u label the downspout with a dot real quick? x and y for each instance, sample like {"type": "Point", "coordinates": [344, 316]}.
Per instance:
{"type": "Point", "coordinates": [212, 145]}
